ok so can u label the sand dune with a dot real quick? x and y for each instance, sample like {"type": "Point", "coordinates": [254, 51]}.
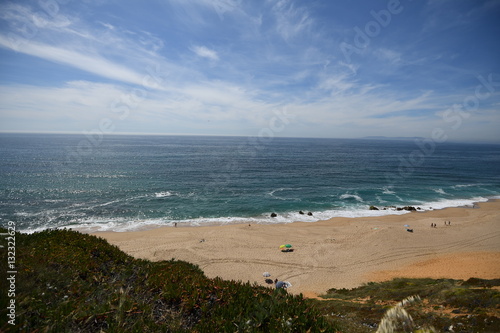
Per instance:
{"type": "Point", "coordinates": [338, 253]}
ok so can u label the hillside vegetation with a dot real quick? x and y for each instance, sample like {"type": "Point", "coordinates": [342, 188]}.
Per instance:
{"type": "Point", "coordinates": [446, 305]}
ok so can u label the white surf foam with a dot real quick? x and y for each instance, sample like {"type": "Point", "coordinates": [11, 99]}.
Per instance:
{"type": "Point", "coordinates": [439, 190]}
{"type": "Point", "coordinates": [125, 225]}
{"type": "Point", "coordinates": [386, 190]}
{"type": "Point", "coordinates": [163, 194]}
{"type": "Point", "coordinates": [448, 203]}
{"type": "Point", "coordinates": [86, 224]}
{"type": "Point", "coordinates": [275, 194]}
{"type": "Point", "coordinates": [347, 196]}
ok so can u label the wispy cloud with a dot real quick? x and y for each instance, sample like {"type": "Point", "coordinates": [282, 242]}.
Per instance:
{"type": "Point", "coordinates": [205, 52]}
{"type": "Point", "coordinates": [105, 51]}
{"type": "Point", "coordinates": [221, 7]}
{"type": "Point", "coordinates": [25, 21]}
{"type": "Point", "coordinates": [90, 63]}
{"type": "Point", "coordinates": [291, 19]}
{"type": "Point", "coordinates": [77, 103]}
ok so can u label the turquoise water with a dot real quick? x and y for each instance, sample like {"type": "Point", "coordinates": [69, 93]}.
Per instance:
{"type": "Point", "coordinates": [131, 182]}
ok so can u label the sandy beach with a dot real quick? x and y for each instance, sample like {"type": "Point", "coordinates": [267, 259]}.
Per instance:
{"type": "Point", "coordinates": [338, 253]}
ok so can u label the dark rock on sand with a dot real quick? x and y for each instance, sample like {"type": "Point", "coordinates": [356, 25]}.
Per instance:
{"type": "Point", "coordinates": [408, 208]}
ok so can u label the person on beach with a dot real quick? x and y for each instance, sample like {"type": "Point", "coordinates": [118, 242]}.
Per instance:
{"type": "Point", "coordinates": [280, 285]}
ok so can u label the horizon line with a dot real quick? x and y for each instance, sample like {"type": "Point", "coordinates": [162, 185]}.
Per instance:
{"type": "Point", "coordinates": [368, 137]}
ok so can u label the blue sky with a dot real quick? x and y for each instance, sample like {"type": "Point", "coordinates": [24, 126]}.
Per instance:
{"type": "Point", "coordinates": [329, 68]}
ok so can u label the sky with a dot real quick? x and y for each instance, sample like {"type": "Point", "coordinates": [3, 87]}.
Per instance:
{"type": "Point", "coordinates": [268, 68]}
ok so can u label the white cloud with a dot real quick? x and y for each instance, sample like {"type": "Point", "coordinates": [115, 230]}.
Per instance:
{"type": "Point", "coordinates": [107, 25]}
{"type": "Point", "coordinates": [70, 41]}
{"type": "Point", "coordinates": [90, 63]}
{"type": "Point", "coordinates": [26, 23]}
{"type": "Point", "coordinates": [77, 103]}
{"type": "Point", "coordinates": [291, 20]}
{"type": "Point", "coordinates": [205, 52]}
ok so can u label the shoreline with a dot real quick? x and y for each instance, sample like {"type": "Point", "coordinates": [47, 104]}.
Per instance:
{"type": "Point", "coordinates": [336, 253]}
{"type": "Point", "coordinates": [281, 218]}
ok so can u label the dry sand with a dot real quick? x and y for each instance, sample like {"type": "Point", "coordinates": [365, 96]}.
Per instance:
{"type": "Point", "coordinates": [338, 253]}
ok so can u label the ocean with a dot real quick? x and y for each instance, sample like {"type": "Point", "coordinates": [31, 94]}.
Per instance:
{"type": "Point", "coordinates": [122, 183]}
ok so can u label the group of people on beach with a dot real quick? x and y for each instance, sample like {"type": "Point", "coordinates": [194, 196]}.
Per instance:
{"type": "Point", "coordinates": [434, 225]}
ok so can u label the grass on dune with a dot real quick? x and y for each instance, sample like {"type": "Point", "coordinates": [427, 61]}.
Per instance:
{"type": "Point", "coordinates": [465, 306]}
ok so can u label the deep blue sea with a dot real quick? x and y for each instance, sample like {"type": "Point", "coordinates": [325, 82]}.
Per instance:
{"type": "Point", "coordinates": [124, 183]}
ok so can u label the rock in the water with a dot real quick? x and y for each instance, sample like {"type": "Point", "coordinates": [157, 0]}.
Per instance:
{"type": "Point", "coordinates": [310, 214]}
{"type": "Point", "coordinates": [301, 212]}
{"type": "Point", "coordinates": [274, 215]}
{"type": "Point", "coordinates": [373, 208]}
